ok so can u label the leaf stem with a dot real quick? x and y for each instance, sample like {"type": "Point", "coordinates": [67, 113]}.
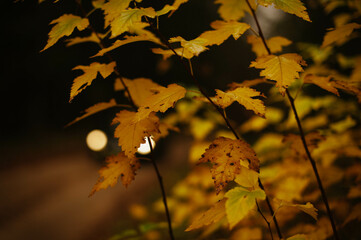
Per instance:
{"type": "Point", "coordinates": [159, 176]}
{"type": "Point", "coordinates": [302, 135]}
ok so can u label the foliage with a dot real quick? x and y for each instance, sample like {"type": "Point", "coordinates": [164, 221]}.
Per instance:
{"type": "Point", "coordinates": [235, 189]}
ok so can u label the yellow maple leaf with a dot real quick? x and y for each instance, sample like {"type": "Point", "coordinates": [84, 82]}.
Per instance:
{"type": "Point", "coordinates": [240, 202]}
{"type": "Point", "coordinates": [94, 109]}
{"type": "Point", "coordinates": [223, 30]}
{"type": "Point", "coordinates": [161, 99]}
{"type": "Point", "coordinates": [140, 88]}
{"type": "Point", "coordinates": [307, 208]}
{"type": "Point", "coordinates": [65, 26]}
{"type": "Point", "coordinates": [117, 166]}
{"type": "Point", "coordinates": [195, 46]}
{"type": "Point", "coordinates": [212, 215]}
{"type": "Point", "coordinates": [72, 41]}
{"type": "Point", "coordinates": [295, 7]}
{"type": "Point", "coordinates": [244, 96]}
{"type": "Point", "coordinates": [132, 131]}
{"type": "Point", "coordinates": [112, 9]}
{"type": "Point", "coordinates": [127, 18]}
{"type": "Point", "coordinates": [275, 44]}
{"type": "Point", "coordinates": [168, 53]}
{"type": "Point", "coordinates": [90, 73]}
{"type": "Point", "coordinates": [339, 34]}
{"type": "Point", "coordinates": [322, 82]}
{"type": "Point", "coordinates": [234, 9]}
{"type": "Point", "coordinates": [228, 156]}
{"type": "Point", "coordinates": [283, 69]}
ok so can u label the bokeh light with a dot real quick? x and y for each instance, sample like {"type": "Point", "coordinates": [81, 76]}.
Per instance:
{"type": "Point", "coordinates": [144, 148]}
{"type": "Point", "coordinates": [96, 140]}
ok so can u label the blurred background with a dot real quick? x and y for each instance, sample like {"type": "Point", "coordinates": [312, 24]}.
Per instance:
{"type": "Point", "coordinates": [46, 170]}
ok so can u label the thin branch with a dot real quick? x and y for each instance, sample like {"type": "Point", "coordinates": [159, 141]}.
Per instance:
{"type": "Point", "coordinates": [265, 219]}
{"type": "Point", "coordinates": [302, 135]}
{"type": "Point", "coordinates": [189, 70]}
{"type": "Point", "coordinates": [159, 176]}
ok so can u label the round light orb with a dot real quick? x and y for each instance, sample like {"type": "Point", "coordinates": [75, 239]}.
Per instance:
{"type": "Point", "coordinates": [144, 148]}
{"type": "Point", "coordinates": [96, 140]}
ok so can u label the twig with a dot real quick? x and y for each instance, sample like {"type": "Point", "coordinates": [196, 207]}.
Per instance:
{"type": "Point", "coordinates": [302, 135]}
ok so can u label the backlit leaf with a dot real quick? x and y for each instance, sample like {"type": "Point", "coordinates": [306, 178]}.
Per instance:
{"type": "Point", "coordinates": [307, 208]}
{"type": "Point", "coordinates": [244, 96]}
{"type": "Point", "coordinates": [117, 166]}
{"type": "Point", "coordinates": [295, 7]}
{"type": "Point", "coordinates": [339, 34]}
{"type": "Point", "coordinates": [132, 131]}
{"type": "Point", "coordinates": [213, 215]}
{"type": "Point", "coordinates": [65, 26]}
{"type": "Point", "coordinates": [227, 157]}
{"type": "Point", "coordinates": [234, 9]}
{"type": "Point", "coordinates": [113, 8]}
{"type": "Point", "coordinates": [72, 41]}
{"type": "Point", "coordinates": [168, 53]}
{"type": "Point", "coordinates": [240, 202]}
{"type": "Point", "coordinates": [139, 88]}
{"type": "Point", "coordinates": [275, 44]}
{"type": "Point", "coordinates": [90, 73]}
{"type": "Point", "coordinates": [161, 99]}
{"type": "Point", "coordinates": [322, 82]}
{"type": "Point", "coordinates": [94, 109]}
{"type": "Point", "coordinates": [223, 30]}
{"type": "Point", "coordinates": [195, 46]}
{"type": "Point", "coordinates": [283, 69]}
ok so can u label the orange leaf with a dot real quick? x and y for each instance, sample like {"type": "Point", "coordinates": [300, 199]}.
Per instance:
{"type": "Point", "coordinates": [275, 44]}
{"type": "Point", "coordinates": [244, 96]}
{"type": "Point", "coordinates": [118, 165]}
{"type": "Point", "coordinates": [161, 99]}
{"type": "Point", "coordinates": [131, 131]}
{"type": "Point", "coordinates": [227, 157]}
{"type": "Point", "coordinates": [295, 7]}
{"type": "Point", "coordinates": [339, 34]}
{"type": "Point", "coordinates": [234, 9]}
{"type": "Point", "coordinates": [212, 215]}
{"type": "Point", "coordinates": [322, 82]}
{"type": "Point", "coordinates": [90, 73]}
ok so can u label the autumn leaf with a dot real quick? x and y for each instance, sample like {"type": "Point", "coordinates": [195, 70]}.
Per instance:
{"type": "Point", "coordinates": [228, 156]}
{"type": "Point", "coordinates": [298, 237]}
{"type": "Point", "coordinates": [117, 166]}
{"type": "Point", "coordinates": [247, 83]}
{"type": "Point", "coordinates": [127, 18]}
{"type": "Point", "coordinates": [90, 73]}
{"type": "Point", "coordinates": [213, 215]}
{"type": "Point", "coordinates": [275, 44]}
{"type": "Point", "coordinates": [195, 46]}
{"type": "Point", "coordinates": [295, 7]}
{"type": "Point", "coordinates": [64, 26]}
{"type": "Point", "coordinates": [234, 9]}
{"type": "Point", "coordinates": [112, 9]}
{"type": "Point", "coordinates": [307, 208]}
{"type": "Point", "coordinates": [72, 41]}
{"type": "Point", "coordinates": [161, 99]}
{"type": "Point", "coordinates": [283, 69]}
{"type": "Point", "coordinates": [140, 88]}
{"type": "Point", "coordinates": [94, 109]}
{"type": "Point", "coordinates": [339, 34]}
{"type": "Point", "coordinates": [247, 178]}
{"type": "Point", "coordinates": [171, 8]}
{"type": "Point", "coordinates": [240, 202]}
{"type": "Point", "coordinates": [223, 30]}
{"type": "Point", "coordinates": [132, 131]}
{"type": "Point", "coordinates": [244, 96]}
{"type": "Point", "coordinates": [168, 53]}
{"type": "Point", "coordinates": [322, 82]}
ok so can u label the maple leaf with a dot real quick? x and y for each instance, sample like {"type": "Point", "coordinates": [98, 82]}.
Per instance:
{"type": "Point", "coordinates": [94, 109]}
{"type": "Point", "coordinates": [234, 9]}
{"type": "Point", "coordinates": [127, 40]}
{"type": "Point", "coordinates": [322, 82]}
{"type": "Point", "coordinates": [117, 166]}
{"type": "Point", "coordinates": [275, 44]}
{"type": "Point", "coordinates": [127, 18]}
{"type": "Point", "coordinates": [212, 215]}
{"type": "Point", "coordinates": [283, 69]}
{"type": "Point", "coordinates": [195, 46]}
{"type": "Point", "coordinates": [307, 208]}
{"type": "Point", "coordinates": [339, 34]}
{"type": "Point", "coordinates": [113, 8]}
{"type": "Point", "coordinates": [244, 96]}
{"type": "Point", "coordinates": [90, 73]}
{"type": "Point", "coordinates": [132, 131]}
{"type": "Point", "coordinates": [240, 202]}
{"type": "Point", "coordinates": [72, 41]}
{"type": "Point", "coordinates": [228, 156]}
{"type": "Point", "coordinates": [295, 7]}
{"type": "Point", "coordinates": [161, 99]}
{"type": "Point", "coordinates": [140, 88]}
{"type": "Point", "coordinates": [247, 178]}
{"type": "Point", "coordinates": [168, 53]}
{"type": "Point", "coordinates": [65, 26]}
{"type": "Point", "coordinates": [223, 30]}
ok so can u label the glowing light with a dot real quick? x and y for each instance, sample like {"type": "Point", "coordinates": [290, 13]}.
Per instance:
{"type": "Point", "coordinates": [144, 148]}
{"type": "Point", "coordinates": [96, 140]}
